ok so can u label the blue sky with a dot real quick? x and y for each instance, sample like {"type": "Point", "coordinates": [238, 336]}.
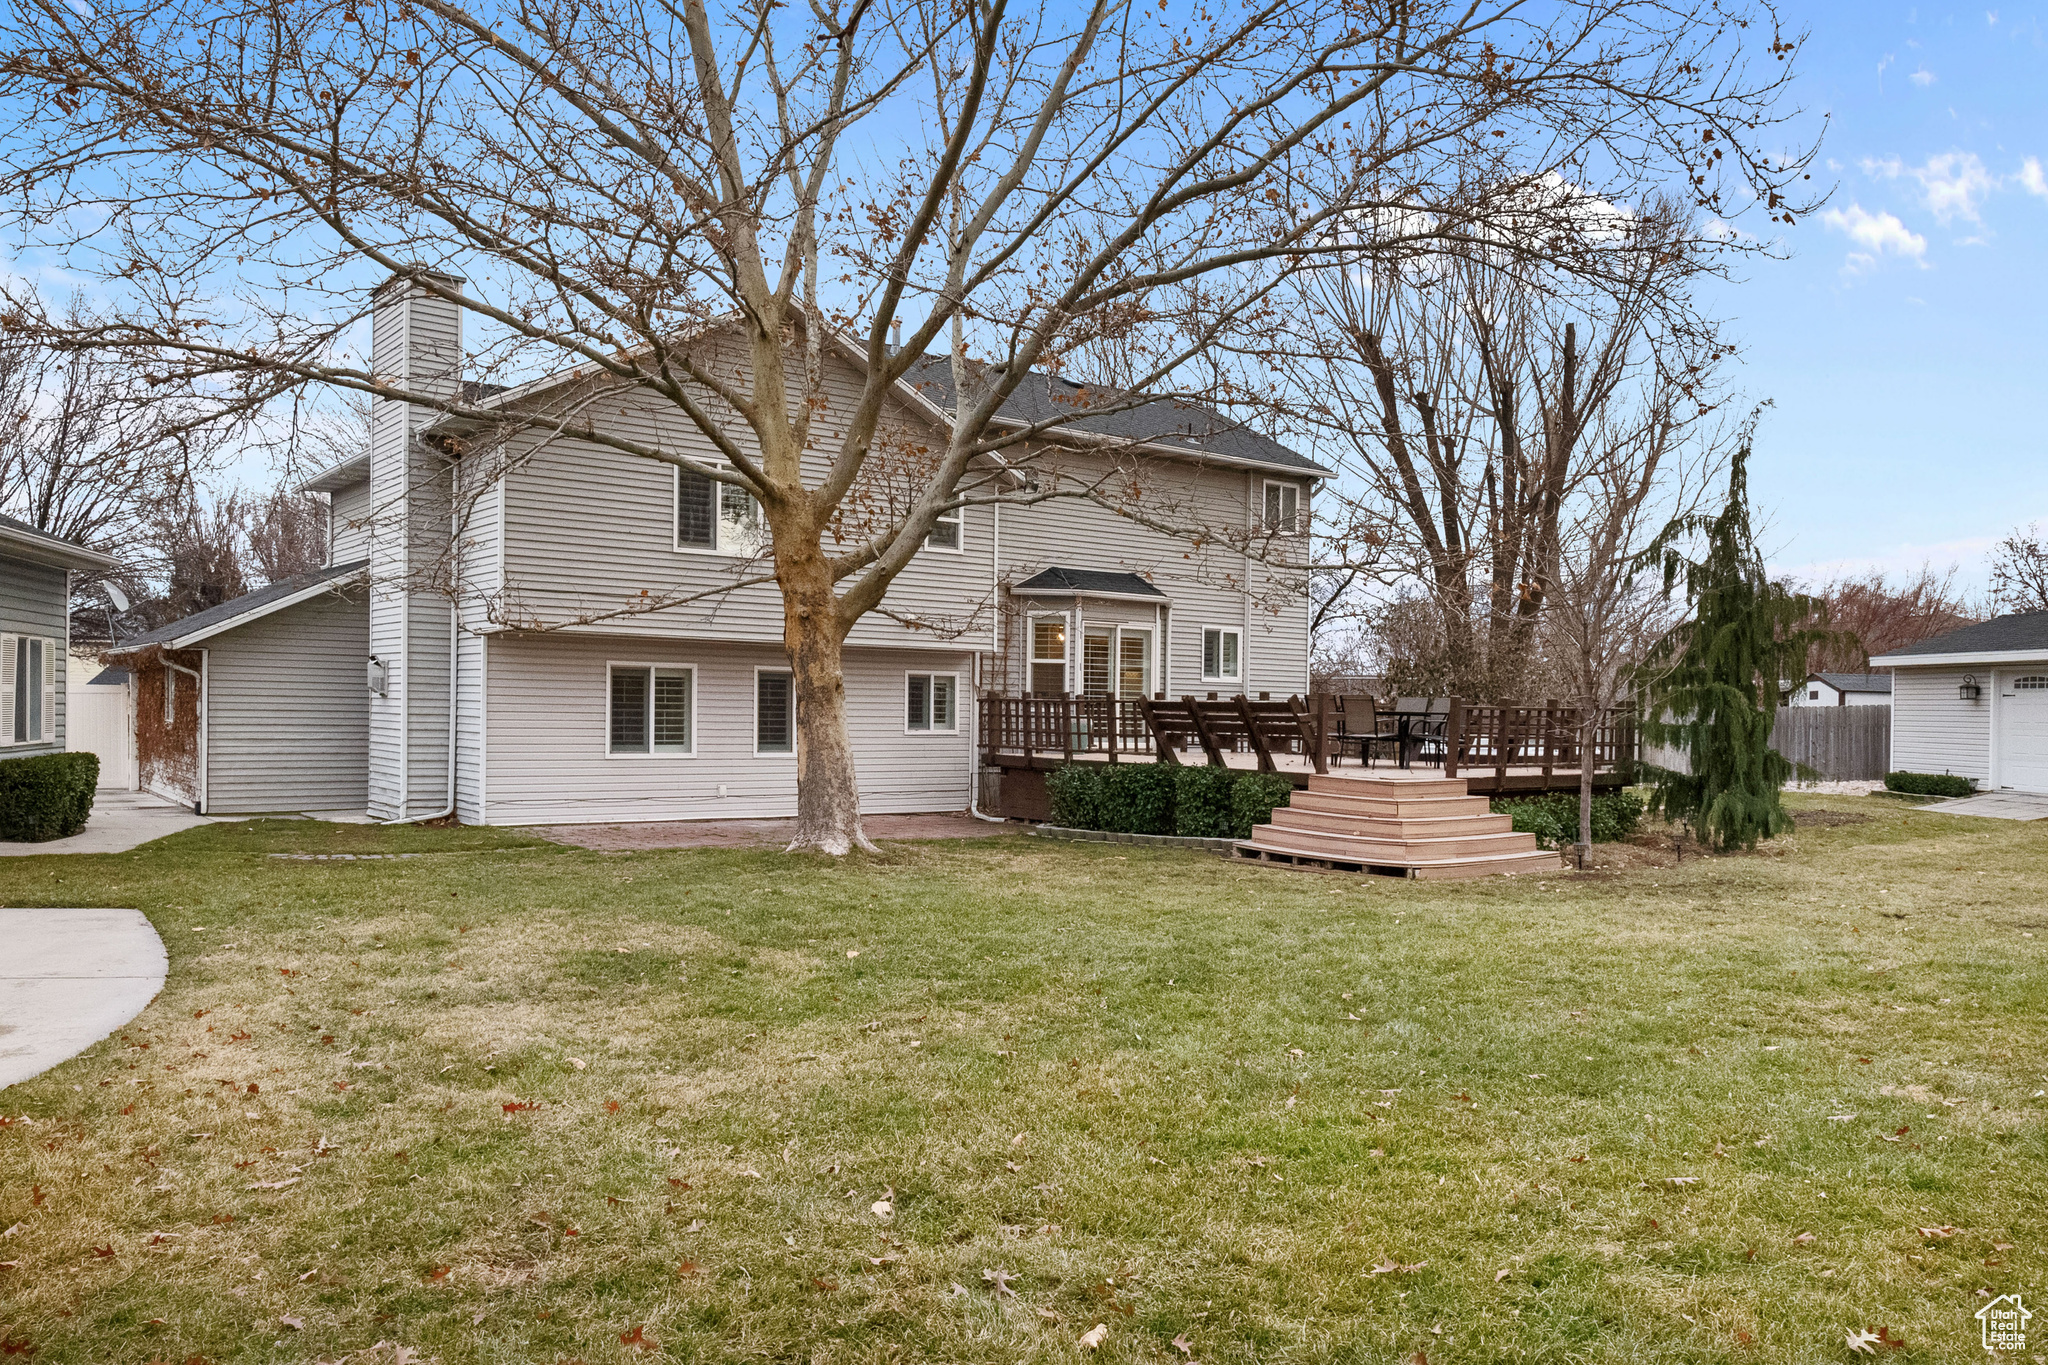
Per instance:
{"type": "Point", "coordinates": [1904, 341]}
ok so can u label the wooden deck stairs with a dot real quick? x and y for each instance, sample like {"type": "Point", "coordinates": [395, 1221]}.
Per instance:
{"type": "Point", "coordinates": [1428, 828]}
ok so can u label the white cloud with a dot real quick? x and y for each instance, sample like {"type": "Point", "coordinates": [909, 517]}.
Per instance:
{"type": "Point", "coordinates": [1991, 16]}
{"type": "Point", "coordinates": [2030, 177]}
{"type": "Point", "coordinates": [1952, 184]}
{"type": "Point", "coordinates": [1922, 78]}
{"type": "Point", "coordinates": [1877, 234]}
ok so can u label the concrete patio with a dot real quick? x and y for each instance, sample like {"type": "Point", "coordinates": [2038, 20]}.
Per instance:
{"type": "Point", "coordinates": [1999, 805]}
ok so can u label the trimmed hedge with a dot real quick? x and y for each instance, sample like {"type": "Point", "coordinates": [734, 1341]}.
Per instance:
{"type": "Point", "coordinates": [47, 796]}
{"type": "Point", "coordinates": [1160, 798]}
{"type": "Point", "coordinates": [1929, 784]}
{"type": "Point", "coordinates": [1554, 816]}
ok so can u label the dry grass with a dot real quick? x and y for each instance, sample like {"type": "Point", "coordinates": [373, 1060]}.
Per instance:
{"type": "Point", "coordinates": [529, 1099]}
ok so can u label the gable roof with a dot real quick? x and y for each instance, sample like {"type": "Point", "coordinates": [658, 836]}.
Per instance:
{"type": "Point", "coordinates": [204, 625]}
{"type": "Point", "coordinates": [1168, 423]}
{"type": "Point", "coordinates": [23, 541]}
{"type": "Point", "coordinates": [2023, 632]}
{"type": "Point", "coordinates": [1057, 582]}
{"type": "Point", "coordinates": [1855, 682]}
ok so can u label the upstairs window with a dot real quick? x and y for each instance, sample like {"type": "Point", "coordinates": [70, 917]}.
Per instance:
{"type": "Point", "coordinates": [720, 518]}
{"type": "Point", "coordinates": [931, 702]}
{"type": "Point", "coordinates": [774, 712]}
{"type": "Point", "coordinates": [945, 533]}
{"type": "Point", "coordinates": [1283, 509]}
{"type": "Point", "coordinates": [1219, 655]}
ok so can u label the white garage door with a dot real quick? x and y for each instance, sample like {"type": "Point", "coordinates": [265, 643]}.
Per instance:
{"type": "Point", "coordinates": [2023, 732]}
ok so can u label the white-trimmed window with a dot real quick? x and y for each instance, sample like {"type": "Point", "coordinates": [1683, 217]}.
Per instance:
{"type": "Point", "coordinates": [1049, 654]}
{"type": "Point", "coordinates": [28, 689]}
{"type": "Point", "coordinates": [945, 533]}
{"type": "Point", "coordinates": [931, 703]}
{"type": "Point", "coordinates": [1283, 509]}
{"type": "Point", "coordinates": [1219, 655]}
{"type": "Point", "coordinates": [774, 711]}
{"type": "Point", "coordinates": [170, 696]}
{"type": "Point", "coordinates": [650, 709]}
{"type": "Point", "coordinates": [717, 518]}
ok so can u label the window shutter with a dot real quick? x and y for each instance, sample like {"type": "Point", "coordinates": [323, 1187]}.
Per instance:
{"type": "Point", "coordinates": [7, 689]}
{"type": "Point", "coordinates": [49, 692]}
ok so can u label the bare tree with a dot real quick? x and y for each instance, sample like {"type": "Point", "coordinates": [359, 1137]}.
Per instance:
{"type": "Point", "coordinates": [1873, 615]}
{"type": "Point", "coordinates": [2019, 571]}
{"type": "Point", "coordinates": [286, 534]}
{"type": "Point", "coordinates": [1023, 191]}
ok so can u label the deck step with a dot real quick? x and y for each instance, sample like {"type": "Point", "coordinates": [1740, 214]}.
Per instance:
{"type": "Point", "coordinates": [1385, 826]}
{"type": "Point", "coordinates": [1400, 849]}
{"type": "Point", "coordinates": [1404, 787]}
{"type": "Point", "coordinates": [1441, 869]}
{"type": "Point", "coordinates": [1391, 807]}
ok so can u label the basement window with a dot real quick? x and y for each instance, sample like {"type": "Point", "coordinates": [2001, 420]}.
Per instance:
{"type": "Point", "coordinates": [650, 709]}
{"type": "Point", "coordinates": [930, 703]}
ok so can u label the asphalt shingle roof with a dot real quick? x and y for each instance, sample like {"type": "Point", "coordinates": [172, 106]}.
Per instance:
{"type": "Point", "coordinates": [1087, 581]}
{"type": "Point", "coordinates": [1857, 682]}
{"type": "Point", "coordinates": [1132, 417]}
{"type": "Point", "coordinates": [245, 605]}
{"type": "Point", "coordinates": [2000, 635]}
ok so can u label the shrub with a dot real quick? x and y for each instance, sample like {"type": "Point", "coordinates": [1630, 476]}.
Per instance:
{"type": "Point", "coordinates": [1929, 784]}
{"type": "Point", "coordinates": [1074, 790]}
{"type": "Point", "coordinates": [47, 796]}
{"type": "Point", "coordinates": [1253, 799]}
{"type": "Point", "coordinates": [1553, 817]}
{"type": "Point", "coordinates": [1201, 802]}
{"type": "Point", "coordinates": [1137, 798]}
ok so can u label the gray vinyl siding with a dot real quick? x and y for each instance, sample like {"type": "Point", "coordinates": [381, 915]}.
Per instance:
{"type": "Point", "coordinates": [1934, 730]}
{"type": "Point", "coordinates": [348, 523]}
{"type": "Point", "coordinates": [479, 558]}
{"type": "Point", "coordinates": [588, 530]}
{"type": "Point", "coordinates": [547, 759]}
{"type": "Point", "coordinates": [287, 715]}
{"type": "Point", "coordinates": [35, 599]}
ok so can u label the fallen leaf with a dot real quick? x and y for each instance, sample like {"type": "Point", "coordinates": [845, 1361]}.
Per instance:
{"type": "Point", "coordinates": [1181, 1343]}
{"type": "Point", "coordinates": [1864, 1343]}
{"type": "Point", "coordinates": [829, 1286]}
{"type": "Point", "coordinates": [577, 1062]}
{"type": "Point", "coordinates": [1681, 1181]}
{"type": "Point", "coordinates": [1802, 1239]}
{"type": "Point", "coordinates": [1500, 1275]}
{"type": "Point", "coordinates": [1054, 1318]}
{"type": "Point", "coordinates": [687, 1269]}
{"type": "Point", "coordinates": [1743, 1337]}
{"type": "Point", "coordinates": [638, 1339]}
{"type": "Point", "coordinates": [611, 1106]}
{"type": "Point", "coordinates": [275, 1184]}
{"type": "Point", "coordinates": [1092, 1339]}
{"type": "Point", "coordinates": [882, 1208]}
{"type": "Point", "coordinates": [1001, 1280]}
{"type": "Point", "coordinates": [521, 1106]}
{"type": "Point", "coordinates": [1943, 1233]}
{"type": "Point", "coordinates": [438, 1273]}
{"type": "Point", "coordinates": [296, 1324]}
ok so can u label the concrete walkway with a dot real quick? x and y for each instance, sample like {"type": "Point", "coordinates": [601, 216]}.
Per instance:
{"type": "Point", "coordinates": [120, 820]}
{"type": "Point", "coordinates": [1996, 805]}
{"type": "Point", "coordinates": [69, 978]}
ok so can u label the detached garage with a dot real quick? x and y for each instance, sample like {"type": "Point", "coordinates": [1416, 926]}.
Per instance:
{"type": "Point", "coordinates": [1974, 702]}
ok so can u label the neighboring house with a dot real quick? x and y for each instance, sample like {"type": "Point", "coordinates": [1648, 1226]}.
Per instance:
{"type": "Point", "coordinates": [528, 630]}
{"type": "Point", "coordinates": [1974, 702]}
{"type": "Point", "coordinates": [1842, 689]}
{"type": "Point", "coordinates": [35, 634]}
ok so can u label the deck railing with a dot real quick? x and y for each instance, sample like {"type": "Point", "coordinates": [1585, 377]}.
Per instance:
{"type": "Point", "coordinates": [1456, 735]}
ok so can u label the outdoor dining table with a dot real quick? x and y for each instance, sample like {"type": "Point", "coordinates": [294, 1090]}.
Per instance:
{"type": "Point", "coordinates": [1412, 717]}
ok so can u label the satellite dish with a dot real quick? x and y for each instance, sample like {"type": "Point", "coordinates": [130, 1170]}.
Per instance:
{"type": "Point", "coordinates": [120, 598]}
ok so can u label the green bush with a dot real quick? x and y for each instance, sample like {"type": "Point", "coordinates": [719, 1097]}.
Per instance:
{"type": "Point", "coordinates": [1201, 802]}
{"type": "Point", "coordinates": [1554, 816]}
{"type": "Point", "coordinates": [1253, 798]}
{"type": "Point", "coordinates": [47, 796]}
{"type": "Point", "coordinates": [1074, 791]}
{"type": "Point", "coordinates": [1137, 798]}
{"type": "Point", "coordinates": [1929, 784]}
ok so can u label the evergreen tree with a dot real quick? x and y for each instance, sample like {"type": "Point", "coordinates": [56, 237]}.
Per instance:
{"type": "Point", "coordinates": [1711, 685]}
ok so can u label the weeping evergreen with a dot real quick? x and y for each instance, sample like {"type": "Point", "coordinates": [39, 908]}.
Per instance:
{"type": "Point", "coordinates": [1711, 685]}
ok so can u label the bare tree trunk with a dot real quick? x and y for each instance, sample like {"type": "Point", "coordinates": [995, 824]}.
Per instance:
{"type": "Point", "coordinates": [827, 790]}
{"type": "Point", "coordinates": [1589, 730]}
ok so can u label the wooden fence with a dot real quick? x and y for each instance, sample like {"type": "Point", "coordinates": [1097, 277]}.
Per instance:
{"type": "Point", "coordinates": [1839, 743]}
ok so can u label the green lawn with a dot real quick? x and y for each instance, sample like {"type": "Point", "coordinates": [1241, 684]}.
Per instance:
{"type": "Point", "coordinates": [510, 1102]}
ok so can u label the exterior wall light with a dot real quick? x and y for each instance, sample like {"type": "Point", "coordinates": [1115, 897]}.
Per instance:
{"type": "Point", "coordinates": [1968, 689]}
{"type": "Point", "coordinates": [380, 676]}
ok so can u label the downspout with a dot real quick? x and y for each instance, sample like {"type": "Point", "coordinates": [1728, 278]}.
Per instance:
{"type": "Point", "coordinates": [454, 619]}
{"type": "Point", "coordinates": [995, 579]}
{"type": "Point", "coordinates": [199, 808]}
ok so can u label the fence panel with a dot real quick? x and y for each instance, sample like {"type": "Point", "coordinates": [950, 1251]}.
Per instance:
{"type": "Point", "coordinates": [1840, 743]}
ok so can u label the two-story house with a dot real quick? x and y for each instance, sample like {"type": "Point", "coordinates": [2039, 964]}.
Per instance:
{"type": "Point", "coordinates": [535, 629]}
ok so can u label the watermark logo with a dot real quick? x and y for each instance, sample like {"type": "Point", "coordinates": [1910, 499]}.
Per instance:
{"type": "Point", "coordinates": [2005, 1323]}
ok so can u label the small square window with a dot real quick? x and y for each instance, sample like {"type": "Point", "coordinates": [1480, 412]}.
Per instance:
{"type": "Point", "coordinates": [945, 532]}
{"type": "Point", "coordinates": [931, 698]}
{"type": "Point", "coordinates": [774, 713]}
{"type": "Point", "coordinates": [1219, 654]}
{"type": "Point", "coordinates": [711, 515]}
{"type": "Point", "coordinates": [650, 710]}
